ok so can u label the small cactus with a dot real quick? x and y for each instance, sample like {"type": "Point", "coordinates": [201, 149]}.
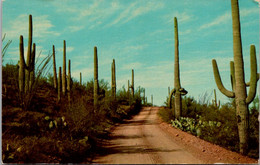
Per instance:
{"type": "Point", "coordinates": [80, 78]}
{"type": "Point", "coordinates": [69, 82]}
{"type": "Point", "coordinates": [113, 79]}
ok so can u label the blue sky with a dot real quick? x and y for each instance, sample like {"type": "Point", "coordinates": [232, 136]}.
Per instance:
{"type": "Point", "coordinates": [139, 35]}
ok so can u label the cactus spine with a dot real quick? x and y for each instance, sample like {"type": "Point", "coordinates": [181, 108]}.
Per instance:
{"type": "Point", "coordinates": [238, 80]}
{"type": "Point", "coordinates": [54, 68]}
{"type": "Point", "coordinates": [113, 79]}
{"type": "Point", "coordinates": [96, 85]}
{"type": "Point", "coordinates": [64, 83]}
{"type": "Point", "coordinates": [59, 85]}
{"type": "Point", "coordinates": [177, 91]}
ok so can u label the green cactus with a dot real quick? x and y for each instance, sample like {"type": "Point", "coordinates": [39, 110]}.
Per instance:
{"type": "Point", "coordinates": [59, 85]}
{"type": "Point", "coordinates": [144, 98]}
{"type": "Point", "coordinates": [80, 78]}
{"type": "Point", "coordinates": [152, 100]}
{"type": "Point", "coordinates": [96, 84]}
{"type": "Point", "coordinates": [27, 69]}
{"type": "Point", "coordinates": [177, 91]}
{"type": "Point", "coordinates": [69, 81]}
{"type": "Point", "coordinates": [132, 85]}
{"type": "Point", "coordinates": [113, 79]}
{"type": "Point", "coordinates": [54, 68]}
{"type": "Point", "coordinates": [215, 102]}
{"type": "Point", "coordinates": [238, 80]}
{"type": "Point", "coordinates": [64, 82]}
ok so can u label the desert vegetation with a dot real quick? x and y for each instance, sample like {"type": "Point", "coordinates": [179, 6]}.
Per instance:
{"type": "Point", "coordinates": [50, 117]}
{"type": "Point", "coordinates": [240, 125]}
{"type": "Point", "coordinates": [53, 118]}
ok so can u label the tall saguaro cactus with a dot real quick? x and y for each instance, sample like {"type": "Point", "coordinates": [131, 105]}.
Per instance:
{"type": "Point", "coordinates": [27, 69]}
{"type": "Point", "coordinates": [96, 85]}
{"type": "Point", "coordinates": [113, 79]}
{"type": "Point", "coordinates": [239, 91]}
{"type": "Point", "coordinates": [54, 68]}
{"type": "Point", "coordinates": [177, 91]}
{"type": "Point", "coordinates": [64, 82]}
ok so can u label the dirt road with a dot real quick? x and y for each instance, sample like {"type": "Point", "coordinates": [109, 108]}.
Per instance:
{"type": "Point", "coordinates": [146, 140]}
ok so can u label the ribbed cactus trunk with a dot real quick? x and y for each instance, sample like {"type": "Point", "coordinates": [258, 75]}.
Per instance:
{"type": "Point", "coordinates": [240, 91]}
{"type": "Point", "coordinates": [54, 68]}
{"type": "Point", "coordinates": [113, 79]}
{"type": "Point", "coordinates": [132, 85]}
{"type": "Point", "coordinates": [28, 60]}
{"type": "Point", "coordinates": [80, 78]}
{"type": "Point", "coordinates": [21, 68]}
{"type": "Point", "coordinates": [64, 82]}
{"type": "Point", "coordinates": [59, 85]}
{"type": "Point", "coordinates": [238, 80]}
{"type": "Point", "coordinates": [177, 84]}
{"type": "Point", "coordinates": [215, 96]}
{"type": "Point", "coordinates": [96, 85]}
{"type": "Point", "coordinates": [69, 82]}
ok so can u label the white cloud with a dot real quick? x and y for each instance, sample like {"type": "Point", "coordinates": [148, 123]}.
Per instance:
{"type": "Point", "coordinates": [217, 21]}
{"type": "Point", "coordinates": [19, 26]}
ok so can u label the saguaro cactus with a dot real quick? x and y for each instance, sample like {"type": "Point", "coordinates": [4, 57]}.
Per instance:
{"type": "Point", "coordinates": [26, 69]}
{"type": "Point", "coordinates": [152, 100]}
{"type": "Point", "coordinates": [54, 68]}
{"type": "Point", "coordinates": [59, 85]}
{"type": "Point", "coordinates": [132, 85]}
{"type": "Point", "coordinates": [177, 91]}
{"type": "Point", "coordinates": [69, 81]}
{"type": "Point", "coordinates": [80, 78]}
{"type": "Point", "coordinates": [144, 98]}
{"type": "Point", "coordinates": [96, 85]}
{"type": "Point", "coordinates": [64, 82]}
{"type": "Point", "coordinates": [113, 79]}
{"type": "Point", "coordinates": [216, 102]}
{"type": "Point", "coordinates": [238, 80]}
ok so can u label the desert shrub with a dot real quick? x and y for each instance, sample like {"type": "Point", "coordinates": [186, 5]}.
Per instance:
{"type": "Point", "coordinates": [166, 114]}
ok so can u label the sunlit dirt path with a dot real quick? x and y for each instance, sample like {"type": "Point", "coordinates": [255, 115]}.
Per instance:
{"type": "Point", "coordinates": [145, 140]}
{"type": "Point", "coordinates": [141, 141]}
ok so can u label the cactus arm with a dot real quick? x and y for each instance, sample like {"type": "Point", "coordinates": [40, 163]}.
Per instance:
{"type": "Point", "coordinates": [219, 82]}
{"type": "Point", "coordinates": [257, 78]}
{"type": "Point", "coordinates": [253, 76]}
{"type": "Point", "coordinates": [177, 83]}
{"type": "Point", "coordinates": [232, 75]}
{"type": "Point", "coordinates": [170, 97]}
